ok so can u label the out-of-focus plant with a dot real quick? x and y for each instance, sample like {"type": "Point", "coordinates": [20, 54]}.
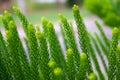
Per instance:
{"type": "Point", "coordinates": [107, 10]}
{"type": "Point", "coordinates": [116, 5]}
{"type": "Point", "coordinates": [70, 3]}
{"type": "Point", "coordinates": [47, 61]}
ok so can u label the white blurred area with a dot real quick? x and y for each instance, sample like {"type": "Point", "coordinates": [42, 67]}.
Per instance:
{"type": "Point", "coordinates": [21, 4]}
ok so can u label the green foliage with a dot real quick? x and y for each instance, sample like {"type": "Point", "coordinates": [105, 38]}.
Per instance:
{"type": "Point", "coordinates": [107, 43]}
{"type": "Point", "coordinates": [5, 58]}
{"type": "Point", "coordinates": [82, 34]}
{"type": "Point", "coordinates": [13, 53]}
{"type": "Point", "coordinates": [116, 5]}
{"type": "Point", "coordinates": [85, 41]}
{"type": "Point", "coordinates": [70, 64]}
{"type": "Point", "coordinates": [118, 62]}
{"type": "Point", "coordinates": [58, 73]}
{"type": "Point", "coordinates": [4, 70]}
{"type": "Point", "coordinates": [107, 10]}
{"type": "Point", "coordinates": [104, 49]}
{"type": "Point", "coordinates": [99, 52]}
{"type": "Point", "coordinates": [44, 58]}
{"type": "Point", "coordinates": [34, 52]}
{"type": "Point", "coordinates": [92, 76]}
{"type": "Point", "coordinates": [4, 21]}
{"type": "Point", "coordinates": [112, 55]}
{"type": "Point", "coordinates": [70, 40]}
{"type": "Point", "coordinates": [38, 5]}
{"type": "Point", "coordinates": [83, 66]}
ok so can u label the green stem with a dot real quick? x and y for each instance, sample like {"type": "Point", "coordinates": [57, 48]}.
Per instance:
{"type": "Point", "coordinates": [70, 41]}
{"type": "Point", "coordinates": [55, 48]}
{"type": "Point", "coordinates": [107, 42]}
{"type": "Point", "coordinates": [43, 54]}
{"type": "Point", "coordinates": [99, 52]}
{"type": "Point", "coordinates": [102, 46]}
{"type": "Point", "coordinates": [5, 58]}
{"type": "Point", "coordinates": [82, 34]}
{"type": "Point", "coordinates": [22, 18]}
{"type": "Point", "coordinates": [83, 66]}
{"type": "Point", "coordinates": [118, 63]}
{"type": "Point", "coordinates": [34, 52]}
{"type": "Point", "coordinates": [112, 55]}
{"type": "Point", "coordinates": [70, 64]}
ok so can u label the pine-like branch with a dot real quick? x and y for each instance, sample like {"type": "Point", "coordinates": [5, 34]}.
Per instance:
{"type": "Point", "coordinates": [112, 55]}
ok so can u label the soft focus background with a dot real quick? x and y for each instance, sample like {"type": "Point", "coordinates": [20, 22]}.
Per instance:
{"type": "Point", "coordinates": [107, 12]}
{"type": "Point", "coordinates": [35, 9]}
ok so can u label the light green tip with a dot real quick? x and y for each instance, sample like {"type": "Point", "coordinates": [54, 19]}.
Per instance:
{"type": "Point", "coordinates": [1, 16]}
{"type": "Point", "coordinates": [15, 8]}
{"type": "Point", "coordinates": [37, 27]}
{"type": "Point", "coordinates": [118, 48]}
{"type": "Point", "coordinates": [11, 24]}
{"type": "Point", "coordinates": [7, 33]}
{"type": "Point", "coordinates": [69, 52]}
{"type": "Point", "coordinates": [6, 12]}
{"type": "Point", "coordinates": [51, 64]}
{"type": "Point", "coordinates": [115, 30]}
{"type": "Point", "coordinates": [50, 25]}
{"type": "Point", "coordinates": [60, 15]}
{"type": "Point", "coordinates": [44, 20]}
{"type": "Point", "coordinates": [92, 76]}
{"type": "Point", "coordinates": [57, 71]}
{"type": "Point", "coordinates": [75, 7]}
{"type": "Point", "coordinates": [39, 34]}
{"type": "Point", "coordinates": [83, 56]}
{"type": "Point", "coordinates": [30, 26]}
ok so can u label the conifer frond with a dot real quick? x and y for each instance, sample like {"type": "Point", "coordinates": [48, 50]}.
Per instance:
{"type": "Point", "coordinates": [112, 54]}
{"type": "Point", "coordinates": [44, 58]}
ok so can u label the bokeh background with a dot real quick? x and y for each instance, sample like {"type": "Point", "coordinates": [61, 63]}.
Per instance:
{"type": "Point", "coordinates": [107, 12]}
{"type": "Point", "coordinates": [35, 9]}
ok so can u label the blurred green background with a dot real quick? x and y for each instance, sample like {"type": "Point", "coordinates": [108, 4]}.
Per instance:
{"type": "Point", "coordinates": [107, 10]}
{"type": "Point", "coordinates": [35, 9]}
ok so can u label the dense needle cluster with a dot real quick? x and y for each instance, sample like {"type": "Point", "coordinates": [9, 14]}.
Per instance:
{"type": "Point", "coordinates": [46, 60]}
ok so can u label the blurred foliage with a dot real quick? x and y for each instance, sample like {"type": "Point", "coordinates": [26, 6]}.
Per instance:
{"type": "Point", "coordinates": [116, 5]}
{"type": "Point", "coordinates": [36, 5]}
{"type": "Point", "coordinates": [70, 3]}
{"type": "Point", "coordinates": [107, 10]}
{"type": "Point", "coordinates": [32, 5]}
